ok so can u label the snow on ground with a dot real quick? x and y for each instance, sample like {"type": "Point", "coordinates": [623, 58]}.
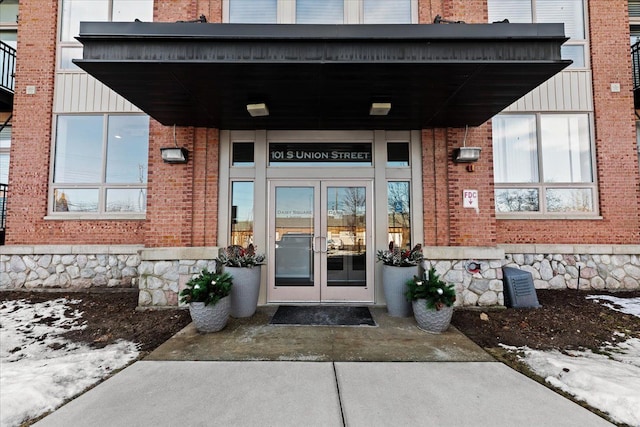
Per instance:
{"type": "Point", "coordinates": [609, 380]}
{"type": "Point", "coordinates": [38, 369]}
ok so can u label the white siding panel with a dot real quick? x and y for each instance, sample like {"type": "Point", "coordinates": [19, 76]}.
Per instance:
{"type": "Point", "coordinates": [81, 93]}
{"type": "Point", "coordinates": [566, 91]}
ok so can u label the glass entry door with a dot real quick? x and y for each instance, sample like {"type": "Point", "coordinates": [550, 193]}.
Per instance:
{"type": "Point", "coordinates": [320, 244]}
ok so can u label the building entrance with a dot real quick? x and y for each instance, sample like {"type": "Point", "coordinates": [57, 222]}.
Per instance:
{"type": "Point", "coordinates": [320, 241]}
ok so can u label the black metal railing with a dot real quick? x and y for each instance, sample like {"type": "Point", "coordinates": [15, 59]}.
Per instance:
{"type": "Point", "coordinates": [7, 67]}
{"type": "Point", "coordinates": [635, 61]}
{"type": "Point", "coordinates": [3, 211]}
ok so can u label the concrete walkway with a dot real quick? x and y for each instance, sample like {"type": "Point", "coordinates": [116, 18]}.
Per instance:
{"type": "Point", "coordinates": [256, 374]}
{"type": "Point", "coordinates": [368, 394]}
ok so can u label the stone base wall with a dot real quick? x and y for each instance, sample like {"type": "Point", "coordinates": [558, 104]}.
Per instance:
{"type": "Point", "coordinates": [600, 267]}
{"type": "Point", "coordinates": [159, 274]}
{"type": "Point", "coordinates": [68, 267]}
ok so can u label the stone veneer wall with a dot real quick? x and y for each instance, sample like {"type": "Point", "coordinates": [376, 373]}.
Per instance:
{"type": "Point", "coordinates": [160, 273]}
{"type": "Point", "coordinates": [602, 267]}
{"type": "Point", "coordinates": [69, 267]}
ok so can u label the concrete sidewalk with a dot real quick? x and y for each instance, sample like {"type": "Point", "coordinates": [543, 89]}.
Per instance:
{"type": "Point", "coordinates": [368, 394]}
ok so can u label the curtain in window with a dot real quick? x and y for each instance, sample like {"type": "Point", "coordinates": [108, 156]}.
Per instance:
{"type": "Point", "coordinates": [320, 12]}
{"type": "Point", "coordinates": [568, 11]}
{"type": "Point", "coordinates": [566, 152]}
{"type": "Point", "coordinates": [515, 154]}
{"type": "Point", "coordinates": [387, 12]}
{"type": "Point", "coordinates": [517, 11]}
{"type": "Point", "coordinates": [253, 11]}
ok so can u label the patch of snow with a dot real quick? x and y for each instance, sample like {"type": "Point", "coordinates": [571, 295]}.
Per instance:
{"type": "Point", "coordinates": [626, 305]}
{"type": "Point", "coordinates": [39, 370]}
{"type": "Point", "coordinates": [609, 381]}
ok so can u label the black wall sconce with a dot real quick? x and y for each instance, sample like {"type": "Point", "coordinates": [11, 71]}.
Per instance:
{"type": "Point", "coordinates": [174, 154]}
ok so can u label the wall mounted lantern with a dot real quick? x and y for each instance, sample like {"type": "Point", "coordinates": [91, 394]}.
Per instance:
{"type": "Point", "coordinates": [174, 154]}
{"type": "Point", "coordinates": [466, 154]}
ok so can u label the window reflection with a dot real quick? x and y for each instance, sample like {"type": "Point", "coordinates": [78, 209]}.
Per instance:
{"type": "Point", "coordinates": [241, 213]}
{"type": "Point", "coordinates": [127, 149]}
{"type": "Point", "coordinates": [75, 200]}
{"type": "Point", "coordinates": [399, 224]}
{"type": "Point", "coordinates": [126, 200]}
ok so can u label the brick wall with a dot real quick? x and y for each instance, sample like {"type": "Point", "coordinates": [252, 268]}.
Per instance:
{"type": "Point", "coordinates": [615, 142]}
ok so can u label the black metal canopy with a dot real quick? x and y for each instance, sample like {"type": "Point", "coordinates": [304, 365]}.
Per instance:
{"type": "Point", "coordinates": [321, 76]}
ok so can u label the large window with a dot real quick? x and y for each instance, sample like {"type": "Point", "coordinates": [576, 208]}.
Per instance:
{"type": "Point", "coordinates": [75, 11]}
{"type": "Point", "coordinates": [569, 12]}
{"type": "Point", "coordinates": [321, 12]}
{"type": "Point", "coordinates": [100, 164]}
{"type": "Point", "coordinates": [543, 164]}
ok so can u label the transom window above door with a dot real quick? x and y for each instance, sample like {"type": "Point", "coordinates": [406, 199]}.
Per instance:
{"type": "Point", "coordinates": [321, 11]}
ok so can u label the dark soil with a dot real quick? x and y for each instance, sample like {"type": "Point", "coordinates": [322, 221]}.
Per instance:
{"type": "Point", "coordinates": [566, 320]}
{"type": "Point", "coordinates": [112, 316]}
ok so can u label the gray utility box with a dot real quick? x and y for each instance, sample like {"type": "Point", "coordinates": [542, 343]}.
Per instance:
{"type": "Point", "coordinates": [519, 291]}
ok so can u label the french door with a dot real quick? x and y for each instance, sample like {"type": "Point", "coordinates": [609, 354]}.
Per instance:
{"type": "Point", "coordinates": [320, 241]}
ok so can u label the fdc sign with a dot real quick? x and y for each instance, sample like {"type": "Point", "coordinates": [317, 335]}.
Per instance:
{"type": "Point", "coordinates": [470, 199]}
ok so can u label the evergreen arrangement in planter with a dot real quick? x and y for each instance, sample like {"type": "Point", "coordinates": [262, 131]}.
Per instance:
{"type": "Point", "coordinates": [432, 301]}
{"type": "Point", "coordinates": [243, 264]}
{"type": "Point", "coordinates": [399, 266]}
{"type": "Point", "coordinates": [208, 297]}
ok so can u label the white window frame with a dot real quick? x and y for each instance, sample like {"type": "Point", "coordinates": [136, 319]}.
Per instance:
{"type": "Point", "coordinates": [571, 42]}
{"type": "Point", "coordinates": [353, 11]}
{"type": "Point", "coordinates": [541, 186]}
{"type": "Point", "coordinates": [74, 44]}
{"type": "Point", "coordinates": [102, 186]}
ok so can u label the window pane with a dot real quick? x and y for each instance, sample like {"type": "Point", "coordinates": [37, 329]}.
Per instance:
{"type": "Point", "coordinates": [567, 11]}
{"type": "Point", "coordinates": [74, 11]}
{"type": "Point", "coordinates": [574, 53]}
{"type": "Point", "coordinates": [127, 149]}
{"type": "Point", "coordinates": [241, 213]}
{"type": "Point", "coordinates": [515, 154]}
{"type": "Point", "coordinates": [242, 154]}
{"type": "Point", "coordinates": [399, 225]}
{"type": "Point", "coordinates": [517, 11]}
{"type": "Point", "coordinates": [569, 200]}
{"type": "Point", "coordinates": [75, 200]}
{"type": "Point", "coordinates": [126, 200]}
{"type": "Point", "coordinates": [387, 12]}
{"type": "Point", "coordinates": [78, 157]}
{"type": "Point", "coordinates": [67, 54]}
{"type": "Point", "coordinates": [253, 11]}
{"type": "Point", "coordinates": [5, 137]}
{"type": "Point", "coordinates": [566, 148]}
{"type": "Point", "coordinates": [4, 168]}
{"type": "Point", "coordinates": [319, 12]}
{"type": "Point", "coordinates": [9, 11]}
{"type": "Point", "coordinates": [517, 200]}
{"type": "Point", "coordinates": [129, 10]}
{"type": "Point", "coordinates": [397, 154]}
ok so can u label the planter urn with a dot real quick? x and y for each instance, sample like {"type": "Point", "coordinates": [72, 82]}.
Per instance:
{"type": "Point", "coordinates": [430, 319]}
{"type": "Point", "coordinates": [394, 283]}
{"type": "Point", "coordinates": [210, 318]}
{"type": "Point", "coordinates": [245, 290]}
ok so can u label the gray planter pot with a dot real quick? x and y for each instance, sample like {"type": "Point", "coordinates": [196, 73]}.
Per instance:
{"type": "Point", "coordinates": [210, 318]}
{"type": "Point", "coordinates": [430, 320]}
{"type": "Point", "coordinates": [245, 290]}
{"type": "Point", "coordinates": [394, 284]}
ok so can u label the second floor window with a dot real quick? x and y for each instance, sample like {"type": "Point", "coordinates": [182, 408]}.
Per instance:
{"type": "Point", "coordinates": [321, 11]}
{"type": "Point", "coordinates": [569, 12]}
{"type": "Point", "coordinates": [76, 11]}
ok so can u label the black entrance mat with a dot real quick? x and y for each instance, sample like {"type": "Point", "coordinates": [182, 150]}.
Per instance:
{"type": "Point", "coordinates": [322, 316]}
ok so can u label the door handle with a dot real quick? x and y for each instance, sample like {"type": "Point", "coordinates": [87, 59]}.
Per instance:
{"type": "Point", "coordinates": [313, 244]}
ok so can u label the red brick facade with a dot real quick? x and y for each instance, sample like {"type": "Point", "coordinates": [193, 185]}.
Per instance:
{"type": "Point", "coordinates": [182, 205]}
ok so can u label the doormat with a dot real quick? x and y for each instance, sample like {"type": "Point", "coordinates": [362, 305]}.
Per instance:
{"type": "Point", "coordinates": [322, 316]}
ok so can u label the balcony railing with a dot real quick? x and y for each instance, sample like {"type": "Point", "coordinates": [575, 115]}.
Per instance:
{"type": "Point", "coordinates": [635, 59]}
{"type": "Point", "coordinates": [7, 76]}
{"type": "Point", "coordinates": [3, 211]}
{"type": "Point", "coordinates": [7, 66]}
